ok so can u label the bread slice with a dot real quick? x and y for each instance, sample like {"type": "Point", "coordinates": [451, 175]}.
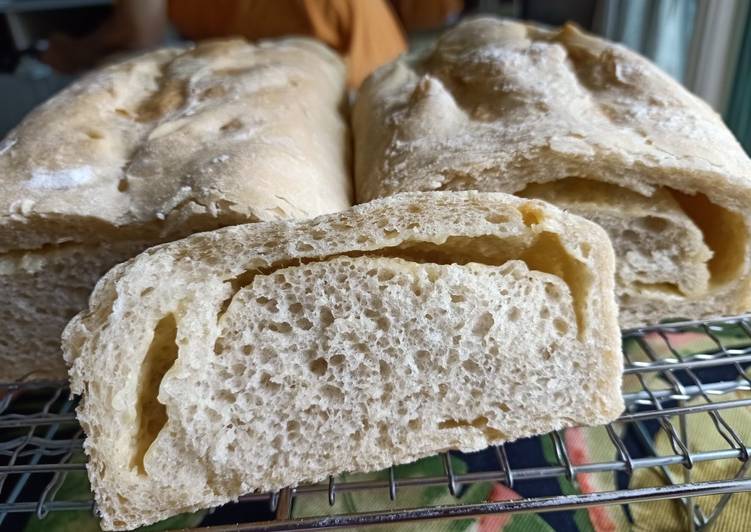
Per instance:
{"type": "Point", "coordinates": [503, 106]}
{"type": "Point", "coordinates": [153, 149]}
{"type": "Point", "coordinates": [266, 355]}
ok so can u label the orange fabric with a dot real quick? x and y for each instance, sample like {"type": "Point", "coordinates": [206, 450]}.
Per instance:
{"type": "Point", "coordinates": [365, 32]}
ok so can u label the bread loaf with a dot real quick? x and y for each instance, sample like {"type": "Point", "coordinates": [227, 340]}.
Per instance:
{"type": "Point", "coordinates": [153, 149]}
{"type": "Point", "coordinates": [571, 118]}
{"type": "Point", "coordinates": [266, 355]}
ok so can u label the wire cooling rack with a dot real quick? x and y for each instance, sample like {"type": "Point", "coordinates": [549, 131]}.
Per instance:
{"type": "Point", "coordinates": [675, 373]}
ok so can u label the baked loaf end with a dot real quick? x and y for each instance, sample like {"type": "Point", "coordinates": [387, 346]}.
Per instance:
{"type": "Point", "coordinates": [153, 149]}
{"type": "Point", "coordinates": [266, 355]}
{"type": "Point", "coordinates": [502, 106]}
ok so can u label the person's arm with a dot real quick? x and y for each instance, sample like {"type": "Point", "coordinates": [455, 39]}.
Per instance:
{"type": "Point", "coordinates": [133, 25]}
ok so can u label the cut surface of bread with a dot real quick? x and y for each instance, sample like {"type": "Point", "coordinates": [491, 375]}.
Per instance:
{"type": "Point", "coordinates": [655, 241]}
{"type": "Point", "coordinates": [41, 291]}
{"type": "Point", "coordinates": [153, 149]}
{"type": "Point", "coordinates": [502, 106]}
{"type": "Point", "coordinates": [266, 355]}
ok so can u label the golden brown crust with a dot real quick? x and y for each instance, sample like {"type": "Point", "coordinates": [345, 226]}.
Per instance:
{"type": "Point", "coordinates": [177, 141]}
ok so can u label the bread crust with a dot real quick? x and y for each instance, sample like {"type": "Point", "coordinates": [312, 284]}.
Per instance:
{"type": "Point", "coordinates": [160, 145]}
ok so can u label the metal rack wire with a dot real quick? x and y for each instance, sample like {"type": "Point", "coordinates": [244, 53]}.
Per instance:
{"type": "Point", "coordinates": [668, 383]}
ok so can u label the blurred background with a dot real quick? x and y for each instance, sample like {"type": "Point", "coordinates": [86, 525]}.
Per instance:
{"type": "Point", "coordinates": [45, 44]}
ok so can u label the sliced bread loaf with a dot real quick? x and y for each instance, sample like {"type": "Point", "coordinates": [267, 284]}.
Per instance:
{"type": "Point", "coordinates": [265, 355]}
{"type": "Point", "coordinates": [503, 106]}
{"type": "Point", "coordinates": [153, 149]}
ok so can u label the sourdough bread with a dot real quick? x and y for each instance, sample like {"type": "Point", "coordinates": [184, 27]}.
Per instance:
{"type": "Point", "coordinates": [266, 355]}
{"type": "Point", "coordinates": [564, 116]}
{"type": "Point", "coordinates": [153, 149]}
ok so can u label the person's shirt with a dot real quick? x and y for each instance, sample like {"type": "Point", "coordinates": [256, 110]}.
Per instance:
{"type": "Point", "coordinates": [366, 33]}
